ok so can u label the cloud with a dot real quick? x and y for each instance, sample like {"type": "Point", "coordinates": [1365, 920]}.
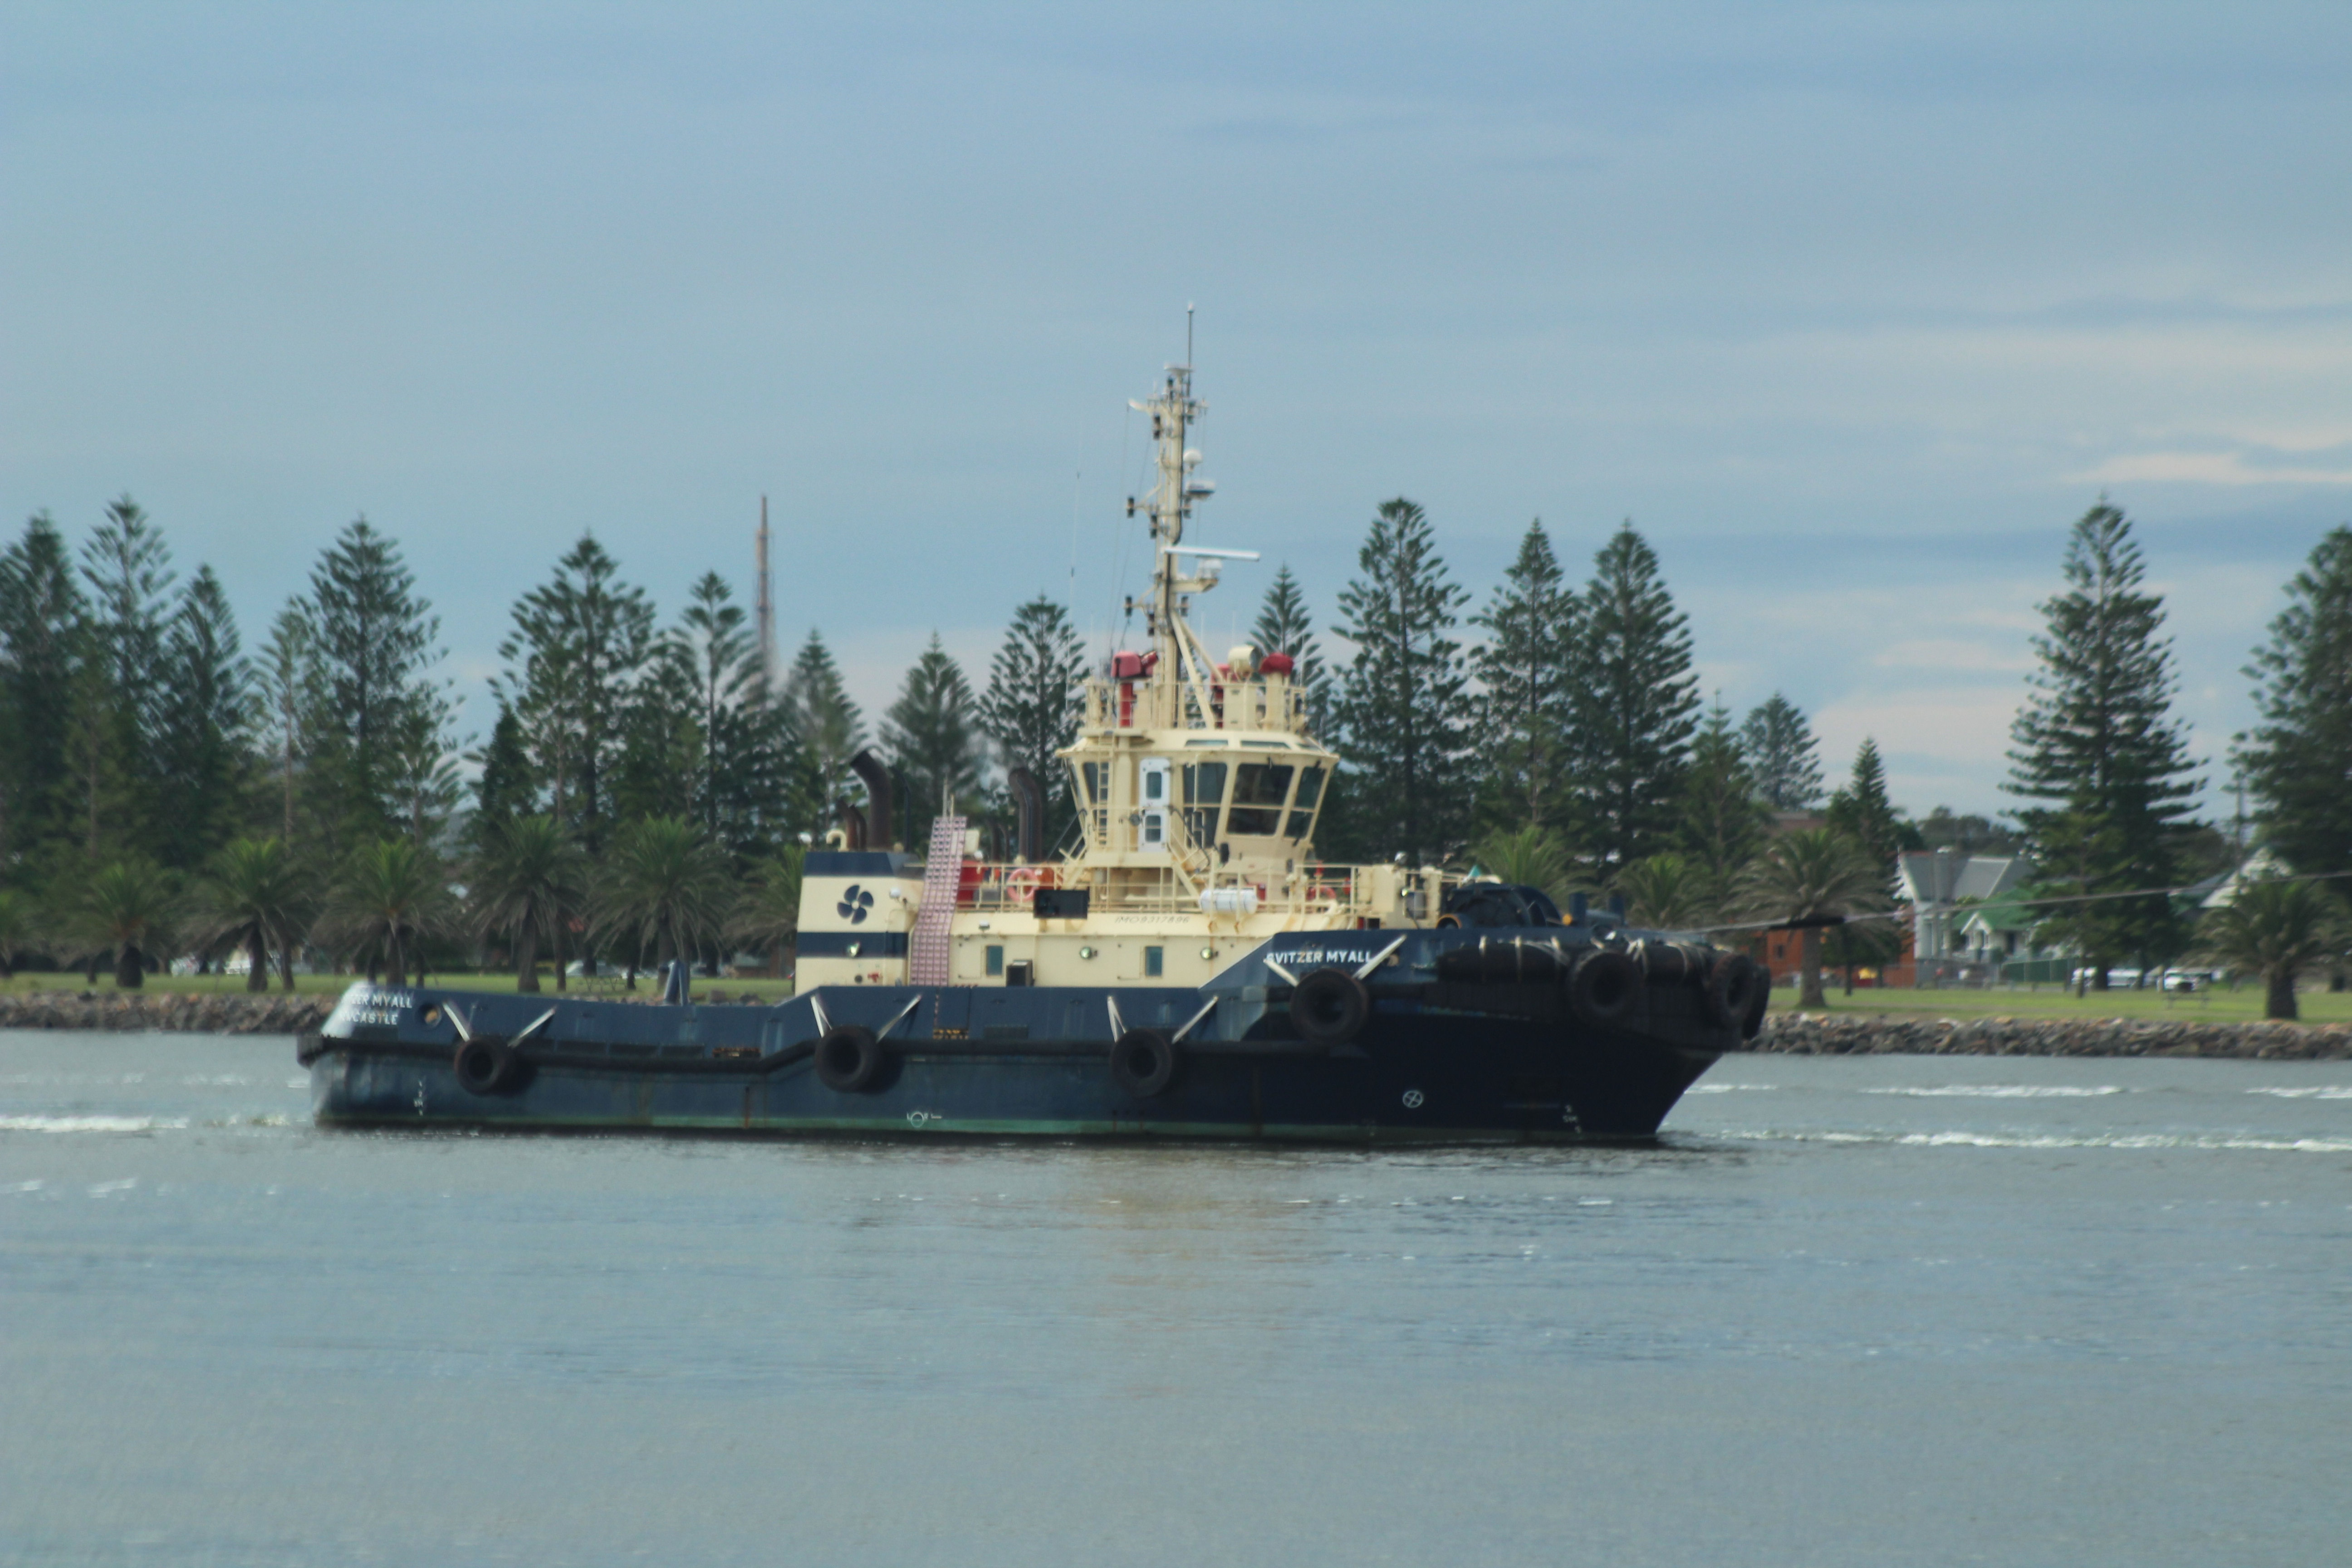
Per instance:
{"type": "Point", "coordinates": [1961, 728]}
{"type": "Point", "coordinates": [2202, 469]}
{"type": "Point", "coordinates": [1955, 654]}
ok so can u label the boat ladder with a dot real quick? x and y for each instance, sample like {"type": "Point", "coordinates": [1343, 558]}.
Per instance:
{"type": "Point", "coordinates": [927, 956]}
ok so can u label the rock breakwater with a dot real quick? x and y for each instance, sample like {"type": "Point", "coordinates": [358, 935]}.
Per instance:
{"type": "Point", "coordinates": [129, 1012]}
{"type": "Point", "coordinates": [1816, 1034]}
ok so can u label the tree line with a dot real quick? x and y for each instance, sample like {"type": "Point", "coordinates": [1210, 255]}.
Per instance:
{"type": "Point", "coordinates": [156, 780]}
{"type": "Point", "coordinates": [643, 791]}
{"type": "Point", "coordinates": [1570, 746]}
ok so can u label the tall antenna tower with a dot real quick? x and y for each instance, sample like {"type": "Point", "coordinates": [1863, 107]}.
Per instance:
{"type": "Point", "coordinates": [766, 607]}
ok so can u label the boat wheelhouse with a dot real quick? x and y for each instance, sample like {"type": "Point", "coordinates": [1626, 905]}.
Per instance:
{"type": "Point", "coordinates": [1198, 785]}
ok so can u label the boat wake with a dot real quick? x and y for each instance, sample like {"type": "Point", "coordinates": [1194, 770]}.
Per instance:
{"type": "Point", "coordinates": [2004, 1091]}
{"type": "Point", "coordinates": [92, 1123]}
{"type": "Point", "coordinates": [1966, 1140]}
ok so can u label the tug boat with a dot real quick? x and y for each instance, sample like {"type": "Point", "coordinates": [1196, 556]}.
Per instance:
{"type": "Point", "coordinates": [1184, 965]}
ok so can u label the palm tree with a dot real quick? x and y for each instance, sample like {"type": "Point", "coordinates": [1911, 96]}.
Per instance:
{"type": "Point", "coordinates": [524, 883]}
{"type": "Point", "coordinates": [251, 897]}
{"type": "Point", "coordinates": [1530, 856]}
{"type": "Point", "coordinates": [768, 913]}
{"type": "Point", "coordinates": [126, 909]}
{"type": "Point", "coordinates": [1806, 876]}
{"type": "Point", "coordinates": [391, 895]}
{"type": "Point", "coordinates": [2277, 929]}
{"type": "Point", "coordinates": [1666, 890]}
{"type": "Point", "coordinates": [16, 928]}
{"type": "Point", "coordinates": [663, 883]}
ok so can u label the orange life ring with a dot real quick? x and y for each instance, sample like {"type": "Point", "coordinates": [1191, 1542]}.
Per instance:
{"type": "Point", "coordinates": [1022, 882]}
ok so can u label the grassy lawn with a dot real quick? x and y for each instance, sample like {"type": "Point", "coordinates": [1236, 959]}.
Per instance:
{"type": "Point", "coordinates": [2222, 1005]}
{"type": "Point", "coordinates": [334, 985]}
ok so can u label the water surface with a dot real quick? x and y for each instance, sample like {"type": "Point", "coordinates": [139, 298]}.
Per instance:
{"type": "Point", "coordinates": [1871, 1309]}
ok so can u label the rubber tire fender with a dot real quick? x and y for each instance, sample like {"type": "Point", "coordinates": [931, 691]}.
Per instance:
{"type": "Point", "coordinates": [1731, 987]}
{"type": "Point", "coordinates": [485, 1065]}
{"type": "Point", "coordinates": [1604, 987]}
{"type": "Point", "coordinates": [1145, 1062]}
{"type": "Point", "coordinates": [1329, 1007]}
{"type": "Point", "coordinates": [850, 1060]}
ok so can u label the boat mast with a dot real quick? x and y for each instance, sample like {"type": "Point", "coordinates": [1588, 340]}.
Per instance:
{"type": "Point", "coordinates": [1170, 507]}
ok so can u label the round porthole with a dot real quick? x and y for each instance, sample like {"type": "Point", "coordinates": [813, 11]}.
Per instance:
{"type": "Point", "coordinates": [1086, 952]}
{"type": "Point", "coordinates": [1208, 952]}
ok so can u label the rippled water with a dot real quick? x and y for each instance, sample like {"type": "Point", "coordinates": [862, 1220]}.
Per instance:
{"type": "Point", "coordinates": [1853, 1311]}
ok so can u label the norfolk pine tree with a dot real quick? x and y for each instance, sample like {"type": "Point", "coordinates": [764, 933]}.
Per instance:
{"type": "Point", "coordinates": [732, 738]}
{"type": "Point", "coordinates": [40, 613]}
{"type": "Point", "coordinates": [376, 639]}
{"type": "Point", "coordinates": [1285, 626]}
{"type": "Point", "coordinates": [931, 737]}
{"type": "Point", "coordinates": [1779, 745]}
{"type": "Point", "coordinates": [1723, 822]}
{"type": "Point", "coordinates": [1523, 671]}
{"type": "Point", "coordinates": [1862, 812]}
{"type": "Point", "coordinates": [2097, 744]}
{"type": "Point", "coordinates": [1404, 701]}
{"type": "Point", "coordinates": [127, 569]}
{"type": "Point", "coordinates": [295, 696]}
{"type": "Point", "coordinates": [579, 644]}
{"type": "Point", "coordinates": [1032, 704]}
{"type": "Point", "coordinates": [2297, 762]}
{"type": "Point", "coordinates": [204, 721]}
{"type": "Point", "coordinates": [1632, 708]}
{"type": "Point", "coordinates": [828, 729]}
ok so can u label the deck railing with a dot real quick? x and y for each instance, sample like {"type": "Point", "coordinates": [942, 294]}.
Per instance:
{"type": "Point", "coordinates": [1129, 889]}
{"type": "Point", "coordinates": [1154, 702]}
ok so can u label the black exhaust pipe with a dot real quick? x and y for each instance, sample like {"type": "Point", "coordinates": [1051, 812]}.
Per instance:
{"type": "Point", "coordinates": [1028, 816]}
{"type": "Point", "coordinates": [876, 775]}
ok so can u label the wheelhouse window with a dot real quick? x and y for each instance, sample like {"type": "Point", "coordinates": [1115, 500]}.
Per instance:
{"type": "Point", "coordinates": [1302, 810]}
{"type": "Point", "coordinates": [1204, 792]}
{"type": "Point", "coordinates": [1259, 791]}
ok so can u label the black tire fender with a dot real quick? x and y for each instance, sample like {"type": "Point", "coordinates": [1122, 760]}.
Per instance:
{"type": "Point", "coordinates": [1329, 1007]}
{"type": "Point", "coordinates": [1605, 987]}
{"type": "Point", "coordinates": [1731, 988]}
{"type": "Point", "coordinates": [850, 1060]}
{"type": "Point", "coordinates": [486, 1065]}
{"type": "Point", "coordinates": [1145, 1062]}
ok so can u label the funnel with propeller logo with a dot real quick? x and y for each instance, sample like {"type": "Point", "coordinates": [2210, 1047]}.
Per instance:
{"type": "Point", "coordinates": [854, 901]}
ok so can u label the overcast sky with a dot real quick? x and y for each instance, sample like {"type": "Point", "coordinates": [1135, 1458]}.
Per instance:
{"type": "Point", "coordinates": [1853, 310]}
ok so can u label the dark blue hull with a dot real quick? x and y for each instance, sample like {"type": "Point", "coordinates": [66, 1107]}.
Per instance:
{"type": "Point", "coordinates": [1429, 1063]}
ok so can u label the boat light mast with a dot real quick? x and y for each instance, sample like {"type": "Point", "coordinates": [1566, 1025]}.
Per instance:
{"type": "Point", "coordinates": [1169, 508]}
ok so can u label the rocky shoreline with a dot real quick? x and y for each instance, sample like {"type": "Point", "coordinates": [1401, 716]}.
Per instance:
{"type": "Point", "coordinates": [272, 1014]}
{"type": "Point", "coordinates": [1801, 1034]}
{"type": "Point", "coordinates": [1817, 1034]}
